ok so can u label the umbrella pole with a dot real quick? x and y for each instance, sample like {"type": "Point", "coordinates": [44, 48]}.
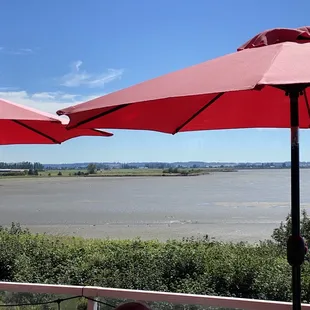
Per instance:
{"type": "Point", "coordinates": [295, 244]}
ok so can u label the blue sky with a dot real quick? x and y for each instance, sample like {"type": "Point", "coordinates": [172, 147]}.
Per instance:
{"type": "Point", "coordinates": [57, 53]}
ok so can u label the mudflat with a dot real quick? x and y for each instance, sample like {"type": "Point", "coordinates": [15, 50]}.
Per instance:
{"type": "Point", "coordinates": [230, 206]}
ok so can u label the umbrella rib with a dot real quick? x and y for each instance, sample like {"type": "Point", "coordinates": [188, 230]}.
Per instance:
{"type": "Point", "coordinates": [198, 112]}
{"type": "Point", "coordinates": [99, 115]}
{"type": "Point", "coordinates": [96, 130]}
{"type": "Point", "coordinates": [36, 131]}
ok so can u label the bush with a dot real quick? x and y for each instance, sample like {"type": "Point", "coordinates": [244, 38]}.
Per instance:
{"type": "Point", "coordinates": [180, 171]}
{"type": "Point", "coordinates": [171, 170]}
{"type": "Point", "coordinates": [33, 172]}
{"type": "Point", "coordinates": [281, 234]}
{"type": "Point", "coordinates": [92, 168]}
{"type": "Point", "coordinates": [198, 266]}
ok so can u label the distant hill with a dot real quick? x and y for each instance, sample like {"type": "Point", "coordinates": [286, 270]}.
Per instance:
{"type": "Point", "coordinates": [162, 165]}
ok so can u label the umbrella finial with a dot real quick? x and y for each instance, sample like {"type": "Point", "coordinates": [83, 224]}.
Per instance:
{"type": "Point", "coordinates": [278, 35]}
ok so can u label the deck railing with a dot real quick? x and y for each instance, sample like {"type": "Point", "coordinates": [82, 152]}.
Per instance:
{"type": "Point", "coordinates": [92, 293]}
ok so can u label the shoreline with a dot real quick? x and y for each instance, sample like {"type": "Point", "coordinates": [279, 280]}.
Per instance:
{"type": "Point", "coordinates": [162, 232]}
{"type": "Point", "coordinates": [123, 173]}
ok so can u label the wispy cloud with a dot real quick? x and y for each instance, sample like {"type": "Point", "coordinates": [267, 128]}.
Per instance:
{"type": "Point", "coordinates": [46, 101]}
{"type": "Point", "coordinates": [8, 88]}
{"type": "Point", "coordinates": [78, 77]}
{"type": "Point", "coordinates": [46, 96]}
{"type": "Point", "coordinates": [18, 51]}
{"type": "Point", "coordinates": [24, 51]}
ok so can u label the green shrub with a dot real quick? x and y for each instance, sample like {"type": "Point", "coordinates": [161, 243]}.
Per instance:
{"type": "Point", "coordinates": [198, 266]}
{"type": "Point", "coordinates": [281, 234]}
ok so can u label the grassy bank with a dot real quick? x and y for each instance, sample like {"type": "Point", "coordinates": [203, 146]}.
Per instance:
{"type": "Point", "coordinates": [123, 173]}
{"type": "Point", "coordinates": [189, 266]}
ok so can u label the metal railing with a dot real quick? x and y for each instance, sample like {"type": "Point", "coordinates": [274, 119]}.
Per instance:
{"type": "Point", "coordinates": [147, 296]}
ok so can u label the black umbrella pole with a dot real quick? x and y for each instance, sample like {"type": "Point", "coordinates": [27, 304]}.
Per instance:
{"type": "Point", "coordinates": [295, 245]}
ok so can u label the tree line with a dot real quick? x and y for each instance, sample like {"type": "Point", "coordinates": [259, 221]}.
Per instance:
{"type": "Point", "coordinates": [22, 165]}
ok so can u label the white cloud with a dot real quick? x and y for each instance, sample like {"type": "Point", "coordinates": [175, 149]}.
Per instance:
{"type": "Point", "coordinates": [44, 96]}
{"type": "Point", "coordinates": [19, 51]}
{"type": "Point", "coordinates": [77, 77]}
{"type": "Point", "coordinates": [22, 51]}
{"type": "Point", "coordinates": [45, 101]}
{"type": "Point", "coordinates": [8, 88]}
{"type": "Point", "coordinates": [77, 65]}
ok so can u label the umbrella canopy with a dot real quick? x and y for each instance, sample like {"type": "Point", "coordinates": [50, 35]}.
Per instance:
{"type": "Point", "coordinates": [264, 84]}
{"type": "Point", "coordinates": [23, 125]}
{"type": "Point", "coordinates": [233, 91]}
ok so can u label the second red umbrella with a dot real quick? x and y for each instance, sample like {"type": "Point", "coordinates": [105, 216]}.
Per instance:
{"type": "Point", "coordinates": [23, 125]}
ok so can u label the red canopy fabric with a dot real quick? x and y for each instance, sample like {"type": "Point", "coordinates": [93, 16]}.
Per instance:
{"type": "Point", "coordinates": [23, 125]}
{"type": "Point", "coordinates": [233, 91]}
{"type": "Point", "coordinates": [278, 35]}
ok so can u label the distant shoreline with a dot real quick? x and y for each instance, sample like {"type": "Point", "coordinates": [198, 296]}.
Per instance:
{"type": "Point", "coordinates": [178, 172]}
{"type": "Point", "coordinates": [132, 172]}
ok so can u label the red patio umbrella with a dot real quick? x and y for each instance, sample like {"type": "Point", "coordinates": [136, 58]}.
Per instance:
{"type": "Point", "coordinates": [23, 125]}
{"type": "Point", "coordinates": [264, 84]}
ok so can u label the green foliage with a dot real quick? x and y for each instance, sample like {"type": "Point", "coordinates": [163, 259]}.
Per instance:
{"type": "Point", "coordinates": [22, 165]}
{"type": "Point", "coordinates": [30, 172]}
{"type": "Point", "coordinates": [171, 170]}
{"type": "Point", "coordinates": [33, 172]}
{"type": "Point", "coordinates": [199, 266]}
{"type": "Point", "coordinates": [281, 234]}
{"type": "Point", "coordinates": [38, 166]}
{"type": "Point", "coordinates": [92, 168]}
{"type": "Point", "coordinates": [182, 171]}
{"type": "Point", "coordinates": [13, 173]}
{"type": "Point", "coordinates": [82, 304]}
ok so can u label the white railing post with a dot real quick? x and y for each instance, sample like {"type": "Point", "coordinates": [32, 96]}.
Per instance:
{"type": "Point", "coordinates": [92, 305]}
